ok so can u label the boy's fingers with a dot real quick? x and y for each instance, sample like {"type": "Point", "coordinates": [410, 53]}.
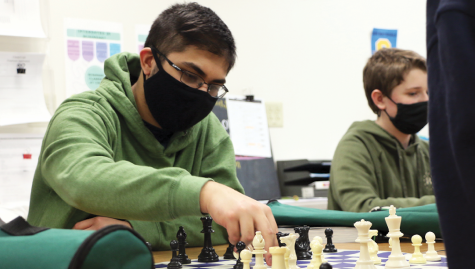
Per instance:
{"type": "Point", "coordinates": [82, 225]}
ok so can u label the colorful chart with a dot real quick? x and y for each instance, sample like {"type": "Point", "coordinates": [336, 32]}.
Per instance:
{"type": "Point", "coordinates": [88, 45]}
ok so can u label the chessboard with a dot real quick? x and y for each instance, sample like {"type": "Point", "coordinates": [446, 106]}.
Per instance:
{"type": "Point", "coordinates": [341, 259]}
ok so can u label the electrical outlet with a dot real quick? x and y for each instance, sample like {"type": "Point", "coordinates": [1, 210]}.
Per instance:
{"type": "Point", "coordinates": [275, 115]}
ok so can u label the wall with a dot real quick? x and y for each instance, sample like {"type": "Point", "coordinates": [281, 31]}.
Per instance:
{"type": "Point", "coordinates": [307, 54]}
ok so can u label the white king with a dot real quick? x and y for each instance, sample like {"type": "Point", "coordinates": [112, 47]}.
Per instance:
{"type": "Point", "coordinates": [396, 259]}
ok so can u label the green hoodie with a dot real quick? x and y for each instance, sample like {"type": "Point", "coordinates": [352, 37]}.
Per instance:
{"type": "Point", "coordinates": [98, 158]}
{"type": "Point", "coordinates": [370, 168]}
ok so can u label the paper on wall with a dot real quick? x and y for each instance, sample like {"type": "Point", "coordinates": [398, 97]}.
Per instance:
{"type": "Point", "coordinates": [20, 18]}
{"type": "Point", "coordinates": [18, 159]}
{"type": "Point", "coordinates": [248, 128]}
{"type": "Point", "coordinates": [88, 44]}
{"type": "Point", "coordinates": [21, 88]}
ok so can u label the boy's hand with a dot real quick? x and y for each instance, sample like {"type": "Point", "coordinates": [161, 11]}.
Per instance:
{"type": "Point", "coordinates": [241, 215]}
{"type": "Point", "coordinates": [97, 223]}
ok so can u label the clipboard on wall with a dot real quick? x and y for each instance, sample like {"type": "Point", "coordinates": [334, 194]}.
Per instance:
{"type": "Point", "coordinates": [257, 174]}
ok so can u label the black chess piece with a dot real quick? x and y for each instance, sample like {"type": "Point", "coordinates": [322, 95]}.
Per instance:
{"type": "Point", "coordinates": [229, 253]}
{"type": "Point", "coordinates": [174, 262]}
{"type": "Point", "coordinates": [279, 235]}
{"type": "Point", "coordinates": [302, 244]}
{"type": "Point", "coordinates": [240, 246]}
{"type": "Point", "coordinates": [325, 265]}
{"type": "Point", "coordinates": [181, 236]}
{"type": "Point", "coordinates": [329, 247]}
{"type": "Point", "coordinates": [208, 254]}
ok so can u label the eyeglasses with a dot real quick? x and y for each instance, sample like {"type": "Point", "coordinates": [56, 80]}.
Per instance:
{"type": "Point", "coordinates": [195, 81]}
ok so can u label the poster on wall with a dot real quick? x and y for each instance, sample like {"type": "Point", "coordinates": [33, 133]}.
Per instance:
{"type": "Point", "coordinates": [141, 33]}
{"type": "Point", "coordinates": [88, 45]}
{"type": "Point", "coordinates": [383, 38]}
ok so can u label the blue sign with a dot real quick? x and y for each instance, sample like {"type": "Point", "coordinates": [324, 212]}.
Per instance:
{"type": "Point", "coordinates": [383, 38]}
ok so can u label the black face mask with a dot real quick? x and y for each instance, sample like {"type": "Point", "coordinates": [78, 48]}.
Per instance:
{"type": "Point", "coordinates": [411, 118]}
{"type": "Point", "coordinates": [174, 105]}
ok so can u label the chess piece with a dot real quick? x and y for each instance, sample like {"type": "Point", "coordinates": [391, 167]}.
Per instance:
{"type": "Point", "coordinates": [364, 261]}
{"type": "Point", "coordinates": [175, 261]}
{"type": "Point", "coordinates": [278, 253]}
{"type": "Point", "coordinates": [279, 235]}
{"type": "Point", "coordinates": [289, 241]}
{"type": "Point", "coordinates": [259, 251]}
{"type": "Point", "coordinates": [317, 250]}
{"type": "Point", "coordinates": [286, 257]}
{"type": "Point", "coordinates": [302, 244]}
{"type": "Point", "coordinates": [396, 259]}
{"type": "Point", "coordinates": [325, 265]}
{"type": "Point", "coordinates": [229, 255]}
{"type": "Point", "coordinates": [329, 247]}
{"type": "Point", "coordinates": [208, 254]}
{"type": "Point", "coordinates": [321, 242]}
{"type": "Point", "coordinates": [240, 246]}
{"type": "Point", "coordinates": [431, 254]}
{"type": "Point", "coordinates": [246, 257]}
{"type": "Point", "coordinates": [181, 236]}
{"type": "Point", "coordinates": [417, 256]}
{"type": "Point", "coordinates": [373, 248]}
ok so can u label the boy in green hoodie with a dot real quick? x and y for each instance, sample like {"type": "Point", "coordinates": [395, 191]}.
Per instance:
{"type": "Point", "coordinates": [143, 150]}
{"type": "Point", "coordinates": [382, 163]}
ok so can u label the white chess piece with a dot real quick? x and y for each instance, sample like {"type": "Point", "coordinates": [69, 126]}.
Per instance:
{"type": "Point", "coordinates": [321, 242]}
{"type": "Point", "coordinates": [317, 250]}
{"type": "Point", "coordinates": [417, 256]}
{"type": "Point", "coordinates": [373, 248]}
{"type": "Point", "coordinates": [246, 257]}
{"type": "Point", "coordinates": [259, 244]}
{"type": "Point", "coordinates": [364, 261]}
{"type": "Point", "coordinates": [278, 257]}
{"type": "Point", "coordinates": [289, 241]}
{"type": "Point", "coordinates": [286, 257]}
{"type": "Point", "coordinates": [431, 254]}
{"type": "Point", "coordinates": [396, 259]}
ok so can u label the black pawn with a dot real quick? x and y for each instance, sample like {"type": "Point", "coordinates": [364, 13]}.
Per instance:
{"type": "Point", "coordinates": [208, 254]}
{"type": "Point", "coordinates": [181, 236]}
{"type": "Point", "coordinates": [174, 262]}
{"type": "Point", "coordinates": [325, 265]}
{"type": "Point", "coordinates": [240, 247]}
{"type": "Point", "coordinates": [329, 247]}
{"type": "Point", "coordinates": [229, 253]}
{"type": "Point", "coordinates": [279, 235]}
{"type": "Point", "coordinates": [302, 244]}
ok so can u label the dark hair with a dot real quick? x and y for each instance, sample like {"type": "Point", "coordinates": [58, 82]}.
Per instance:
{"type": "Point", "coordinates": [182, 25]}
{"type": "Point", "coordinates": [386, 69]}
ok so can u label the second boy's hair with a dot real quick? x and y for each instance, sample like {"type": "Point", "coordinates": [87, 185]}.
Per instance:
{"type": "Point", "coordinates": [182, 25]}
{"type": "Point", "coordinates": [386, 69]}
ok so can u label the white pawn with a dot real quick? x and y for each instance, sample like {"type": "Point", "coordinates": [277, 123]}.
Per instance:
{"type": "Point", "coordinates": [317, 250]}
{"type": "Point", "coordinates": [321, 242]}
{"type": "Point", "coordinates": [417, 256]}
{"type": "Point", "coordinates": [431, 254]}
{"type": "Point", "coordinates": [373, 248]}
{"type": "Point", "coordinates": [259, 244]}
{"type": "Point", "coordinates": [278, 257]}
{"type": "Point", "coordinates": [246, 257]}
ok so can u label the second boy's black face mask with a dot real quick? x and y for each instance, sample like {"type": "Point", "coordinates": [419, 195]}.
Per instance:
{"type": "Point", "coordinates": [410, 118]}
{"type": "Point", "coordinates": [174, 105]}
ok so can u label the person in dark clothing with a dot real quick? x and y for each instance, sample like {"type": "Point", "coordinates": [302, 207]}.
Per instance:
{"type": "Point", "coordinates": [451, 70]}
